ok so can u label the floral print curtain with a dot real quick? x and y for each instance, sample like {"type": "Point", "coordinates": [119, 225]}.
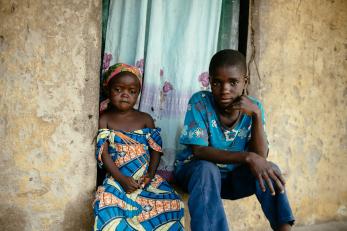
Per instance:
{"type": "Point", "coordinates": [172, 43]}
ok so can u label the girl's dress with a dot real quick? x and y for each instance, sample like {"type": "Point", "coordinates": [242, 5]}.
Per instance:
{"type": "Point", "coordinates": [154, 207]}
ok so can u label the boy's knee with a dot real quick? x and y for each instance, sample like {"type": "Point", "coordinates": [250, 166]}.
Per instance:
{"type": "Point", "coordinates": [206, 178]}
{"type": "Point", "coordinates": [275, 167]}
{"type": "Point", "coordinates": [207, 169]}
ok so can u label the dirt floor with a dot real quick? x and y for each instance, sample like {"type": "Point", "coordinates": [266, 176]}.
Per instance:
{"type": "Point", "coordinates": [331, 226]}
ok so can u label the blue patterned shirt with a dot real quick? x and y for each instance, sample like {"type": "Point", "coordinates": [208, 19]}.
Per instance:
{"type": "Point", "coordinates": [202, 127]}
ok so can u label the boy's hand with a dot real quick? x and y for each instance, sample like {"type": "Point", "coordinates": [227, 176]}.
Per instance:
{"type": "Point", "coordinates": [245, 105]}
{"type": "Point", "coordinates": [265, 170]}
{"type": "Point", "coordinates": [129, 184]}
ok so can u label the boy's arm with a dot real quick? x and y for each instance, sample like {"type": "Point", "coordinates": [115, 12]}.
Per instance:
{"type": "Point", "coordinates": [259, 166]}
{"type": "Point", "coordinates": [218, 156]}
{"type": "Point", "coordinates": [258, 142]}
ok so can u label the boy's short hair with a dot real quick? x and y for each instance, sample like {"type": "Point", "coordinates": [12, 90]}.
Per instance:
{"type": "Point", "coordinates": [227, 57]}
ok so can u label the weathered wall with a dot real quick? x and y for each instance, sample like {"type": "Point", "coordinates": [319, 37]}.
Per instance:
{"type": "Point", "coordinates": [49, 62]}
{"type": "Point", "coordinates": [301, 54]}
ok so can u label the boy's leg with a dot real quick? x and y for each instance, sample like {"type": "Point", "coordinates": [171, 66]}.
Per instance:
{"type": "Point", "coordinates": [241, 183]}
{"type": "Point", "coordinates": [202, 180]}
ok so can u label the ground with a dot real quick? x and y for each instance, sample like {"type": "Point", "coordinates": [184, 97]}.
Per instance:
{"type": "Point", "coordinates": [331, 226]}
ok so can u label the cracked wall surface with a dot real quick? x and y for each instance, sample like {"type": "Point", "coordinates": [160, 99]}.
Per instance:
{"type": "Point", "coordinates": [49, 62]}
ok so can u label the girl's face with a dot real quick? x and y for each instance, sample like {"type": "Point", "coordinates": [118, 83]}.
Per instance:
{"type": "Point", "coordinates": [227, 85]}
{"type": "Point", "coordinates": [123, 91]}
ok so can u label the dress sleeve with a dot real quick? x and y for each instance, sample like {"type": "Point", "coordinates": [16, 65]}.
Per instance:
{"type": "Point", "coordinates": [154, 140]}
{"type": "Point", "coordinates": [195, 130]}
{"type": "Point", "coordinates": [102, 137]}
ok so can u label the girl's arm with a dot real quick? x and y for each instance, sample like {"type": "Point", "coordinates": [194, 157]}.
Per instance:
{"type": "Point", "coordinates": [153, 163]}
{"type": "Point", "coordinates": [128, 183]}
{"type": "Point", "coordinates": [155, 156]}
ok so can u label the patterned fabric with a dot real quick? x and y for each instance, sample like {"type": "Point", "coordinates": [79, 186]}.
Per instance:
{"type": "Point", "coordinates": [156, 206]}
{"type": "Point", "coordinates": [202, 127]}
{"type": "Point", "coordinates": [118, 68]}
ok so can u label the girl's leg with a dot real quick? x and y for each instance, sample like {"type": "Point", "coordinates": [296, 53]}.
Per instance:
{"type": "Point", "coordinates": [203, 182]}
{"type": "Point", "coordinates": [241, 183]}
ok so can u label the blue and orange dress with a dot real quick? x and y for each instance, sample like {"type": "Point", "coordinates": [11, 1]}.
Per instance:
{"type": "Point", "coordinates": [155, 207]}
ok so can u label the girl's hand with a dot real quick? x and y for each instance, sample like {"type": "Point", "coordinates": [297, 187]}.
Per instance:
{"type": "Point", "coordinates": [265, 170]}
{"type": "Point", "coordinates": [129, 184]}
{"type": "Point", "coordinates": [245, 105]}
{"type": "Point", "coordinates": [146, 179]}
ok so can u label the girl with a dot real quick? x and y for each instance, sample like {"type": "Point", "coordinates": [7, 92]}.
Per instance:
{"type": "Point", "coordinates": [226, 150]}
{"type": "Point", "coordinates": [132, 196]}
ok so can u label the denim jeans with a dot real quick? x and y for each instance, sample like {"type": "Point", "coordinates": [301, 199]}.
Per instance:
{"type": "Point", "coordinates": [203, 181]}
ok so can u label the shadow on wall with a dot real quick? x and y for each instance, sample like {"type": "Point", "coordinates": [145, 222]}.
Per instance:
{"type": "Point", "coordinates": [79, 213]}
{"type": "Point", "coordinates": [12, 218]}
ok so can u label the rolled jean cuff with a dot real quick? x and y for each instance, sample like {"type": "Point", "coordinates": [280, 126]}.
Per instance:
{"type": "Point", "coordinates": [286, 220]}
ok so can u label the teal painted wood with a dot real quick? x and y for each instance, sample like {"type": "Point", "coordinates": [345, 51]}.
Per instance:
{"type": "Point", "coordinates": [229, 25]}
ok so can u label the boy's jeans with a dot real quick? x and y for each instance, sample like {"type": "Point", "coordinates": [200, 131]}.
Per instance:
{"type": "Point", "coordinates": [202, 180]}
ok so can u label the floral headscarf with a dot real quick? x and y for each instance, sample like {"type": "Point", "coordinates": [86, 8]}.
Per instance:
{"type": "Point", "coordinates": [118, 68]}
{"type": "Point", "coordinates": [113, 71]}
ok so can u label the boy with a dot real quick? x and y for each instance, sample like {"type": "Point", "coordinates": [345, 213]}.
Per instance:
{"type": "Point", "coordinates": [226, 150]}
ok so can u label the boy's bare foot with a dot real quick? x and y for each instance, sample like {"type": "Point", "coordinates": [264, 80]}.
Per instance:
{"type": "Point", "coordinates": [285, 227]}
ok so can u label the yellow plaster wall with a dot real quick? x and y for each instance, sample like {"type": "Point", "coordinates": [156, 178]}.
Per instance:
{"type": "Point", "coordinates": [49, 61]}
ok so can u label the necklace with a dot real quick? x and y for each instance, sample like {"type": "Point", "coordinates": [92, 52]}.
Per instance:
{"type": "Point", "coordinates": [232, 125]}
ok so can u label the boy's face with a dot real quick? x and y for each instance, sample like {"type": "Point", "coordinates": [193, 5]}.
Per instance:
{"type": "Point", "coordinates": [123, 92]}
{"type": "Point", "coordinates": [227, 85]}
